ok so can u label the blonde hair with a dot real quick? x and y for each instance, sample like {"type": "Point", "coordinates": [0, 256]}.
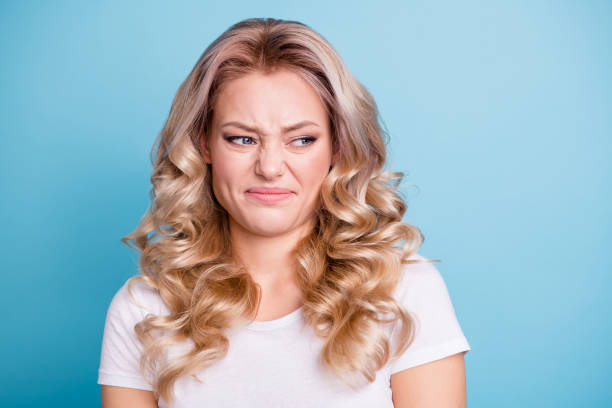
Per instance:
{"type": "Point", "coordinates": [349, 266]}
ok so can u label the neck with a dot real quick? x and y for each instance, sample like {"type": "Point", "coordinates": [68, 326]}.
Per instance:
{"type": "Point", "coordinates": [268, 259]}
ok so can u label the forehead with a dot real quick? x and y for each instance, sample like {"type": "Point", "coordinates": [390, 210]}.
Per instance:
{"type": "Point", "coordinates": [271, 100]}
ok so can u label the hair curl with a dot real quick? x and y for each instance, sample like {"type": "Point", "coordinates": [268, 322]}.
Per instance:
{"type": "Point", "coordinates": [349, 265]}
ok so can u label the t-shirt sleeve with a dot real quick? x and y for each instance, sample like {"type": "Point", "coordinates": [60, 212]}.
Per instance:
{"type": "Point", "coordinates": [423, 292]}
{"type": "Point", "coordinates": [121, 348]}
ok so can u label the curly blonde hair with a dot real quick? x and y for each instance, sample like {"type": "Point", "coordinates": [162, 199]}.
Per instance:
{"type": "Point", "coordinates": [349, 266]}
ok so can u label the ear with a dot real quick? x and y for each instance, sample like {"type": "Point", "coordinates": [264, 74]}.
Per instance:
{"type": "Point", "coordinates": [205, 150]}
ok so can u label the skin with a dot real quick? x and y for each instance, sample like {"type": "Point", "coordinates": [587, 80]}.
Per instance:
{"type": "Point", "coordinates": [263, 235]}
{"type": "Point", "coordinates": [439, 383]}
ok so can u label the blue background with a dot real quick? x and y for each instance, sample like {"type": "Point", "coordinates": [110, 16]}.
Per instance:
{"type": "Point", "coordinates": [499, 114]}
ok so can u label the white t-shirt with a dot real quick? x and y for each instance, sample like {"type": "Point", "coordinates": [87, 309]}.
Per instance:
{"type": "Point", "coordinates": [275, 363]}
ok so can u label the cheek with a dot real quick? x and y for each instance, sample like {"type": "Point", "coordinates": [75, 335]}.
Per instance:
{"type": "Point", "coordinates": [227, 174]}
{"type": "Point", "coordinates": [314, 170]}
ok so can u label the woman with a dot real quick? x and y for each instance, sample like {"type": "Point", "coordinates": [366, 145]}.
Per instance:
{"type": "Point", "coordinates": [279, 271]}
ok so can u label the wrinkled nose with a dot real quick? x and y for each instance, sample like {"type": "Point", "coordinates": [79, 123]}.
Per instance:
{"type": "Point", "coordinates": [270, 162]}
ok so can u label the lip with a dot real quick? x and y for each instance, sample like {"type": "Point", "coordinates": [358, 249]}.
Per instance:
{"type": "Point", "coordinates": [269, 195]}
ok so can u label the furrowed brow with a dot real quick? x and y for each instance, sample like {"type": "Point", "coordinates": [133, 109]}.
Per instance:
{"type": "Point", "coordinates": [284, 129]}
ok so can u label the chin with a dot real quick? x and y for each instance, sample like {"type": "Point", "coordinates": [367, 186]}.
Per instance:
{"type": "Point", "coordinates": [269, 230]}
{"type": "Point", "coordinates": [270, 223]}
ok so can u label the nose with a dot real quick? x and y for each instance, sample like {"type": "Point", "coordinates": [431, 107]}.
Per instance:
{"type": "Point", "coordinates": [270, 162]}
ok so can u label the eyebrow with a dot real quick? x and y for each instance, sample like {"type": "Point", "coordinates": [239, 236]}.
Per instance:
{"type": "Point", "coordinates": [284, 129]}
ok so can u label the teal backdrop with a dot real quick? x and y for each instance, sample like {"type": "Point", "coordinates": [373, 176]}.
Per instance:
{"type": "Point", "coordinates": [499, 114]}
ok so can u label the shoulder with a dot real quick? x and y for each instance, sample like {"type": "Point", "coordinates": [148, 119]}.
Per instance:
{"type": "Point", "coordinates": [419, 279]}
{"type": "Point", "coordinates": [136, 299]}
{"type": "Point", "coordinates": [423, 292]}
{"type": "Point", "coordinates": [121, 347]}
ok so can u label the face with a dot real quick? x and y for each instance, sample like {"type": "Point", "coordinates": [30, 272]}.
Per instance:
{"type": "Point", "coordinates": [270, 149]}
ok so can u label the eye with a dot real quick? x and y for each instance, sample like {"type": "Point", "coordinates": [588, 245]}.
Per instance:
{"type": "Point", "coordinates": [303, 141]}
{"type": "Point", "coordinates": [240, 140]}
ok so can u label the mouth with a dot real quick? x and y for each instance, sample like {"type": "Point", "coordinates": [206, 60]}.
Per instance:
{"type": "Point", "coordinates": [269, 195]}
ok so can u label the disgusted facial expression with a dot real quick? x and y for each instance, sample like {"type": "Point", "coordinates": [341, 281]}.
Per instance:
{"type": "Point", "coordinates": [270, 149]}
